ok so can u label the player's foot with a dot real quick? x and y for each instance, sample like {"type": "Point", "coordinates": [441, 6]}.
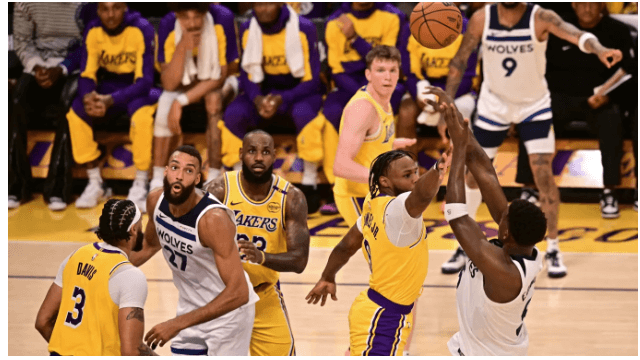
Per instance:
{"type": "Point", "coordinates": [456, 263]}
{"type": "Point", "coordinates": [56, 204]}
{"type": "Point", "coordinates": [555, 266]}
{"type": "Point", "coordinates": [313, 199]}
{"type": "Point", "coordinates": [90, 196]}
{"type": "Point", "coordinates": [329, 209]}
{"type": "Point", "coordinates": [609, 205]}
{"type": "Point", "coordinates": [531, 195]}
{"type": "Point", "coordinates": [13, 202]}
{"type": "Point", "coordinates": [138, 194]}
{"type": "Point", "coordinates": [155, 183]}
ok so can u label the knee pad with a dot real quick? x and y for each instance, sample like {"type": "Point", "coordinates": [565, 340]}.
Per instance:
{"type": "Point", "coordinates": [161, 127]}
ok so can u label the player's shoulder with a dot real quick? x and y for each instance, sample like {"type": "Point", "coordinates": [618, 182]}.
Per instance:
{"type": "Point", "coordinates": [361, 105]}
{"type": "Point", "coordinates": [168, 21]}
{"type": "Point", "coordinates": [296, 201]}
{"type": "Point", "coordinates": [152, 199]}
{"type": "Point", "coordinates": [220, 13]}
{"type": "Point", "coordinates": [218, 187]}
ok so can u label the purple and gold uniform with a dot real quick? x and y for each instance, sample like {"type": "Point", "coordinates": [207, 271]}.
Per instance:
{"type": "Point", "coordinates": [225, 32]}
{"type": "Point", "coordinates": [383, 24]}
{"type": "Point", "coordinates": [119, 63]}
{"type": "Point", "coordinates": [301, 96]}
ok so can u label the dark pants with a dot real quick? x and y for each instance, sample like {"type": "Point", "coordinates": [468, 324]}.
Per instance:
{"type": "Point", "coordinates": [604, 122]}
{"type": "Point", "coordinates": [33, 107]}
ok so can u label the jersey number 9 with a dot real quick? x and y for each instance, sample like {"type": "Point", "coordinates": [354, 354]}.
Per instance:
{"type": "Point", "coordinates": [510, 65]}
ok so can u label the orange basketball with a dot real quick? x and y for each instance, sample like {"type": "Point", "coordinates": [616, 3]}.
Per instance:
{"type": "Point", "coordinates": [435, 24]}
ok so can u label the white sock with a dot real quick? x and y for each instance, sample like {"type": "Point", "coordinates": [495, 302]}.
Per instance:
{"type": "Point", "coordinates": [237, 166]}
{"type": "Point", "coordinates": [158, 172]}
{"type": "Point", "coordinates": [142, 176]}
{"type": "Point", "coordinates": [552, 245]}
{"type": "Point", "coordinates": [213, 173]}
{"type": "Point", "coordinates": [94, 175]}
{"type": "Point", "coordinates": [310, 174]}
{"type": "Point", "coordinates": [474, 199]}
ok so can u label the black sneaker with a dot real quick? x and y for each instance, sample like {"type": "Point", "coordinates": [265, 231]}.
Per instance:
{"type": "Point", "coordinates": [555, 266]}
{"type": "Point", "coordinates": [609, 205]}
{"type": "Point", "coordinates": [456, 263]}
{"type": "Point", "coordinates": [313, 199]}
{"type": "Point", "coordinates": [531, 195]}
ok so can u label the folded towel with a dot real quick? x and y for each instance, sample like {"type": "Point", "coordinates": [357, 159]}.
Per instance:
{"type": "Point", "coordinates": [252, 56]}
{"type": "Point", "coordinates": [208, 63]}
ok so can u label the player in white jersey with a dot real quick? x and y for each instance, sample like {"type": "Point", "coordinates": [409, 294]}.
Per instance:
{"type": "Point", "coordinates": [514, 40]}
{"type": "Point", "coordinates": [496, 285]}
{"type": "Point", "coordinates": [196, 234]}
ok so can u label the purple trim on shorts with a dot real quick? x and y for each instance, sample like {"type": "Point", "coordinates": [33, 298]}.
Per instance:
{"type": "Point", "coordinates": [380, 300]}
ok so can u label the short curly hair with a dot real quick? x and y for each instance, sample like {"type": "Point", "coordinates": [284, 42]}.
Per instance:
{"type": "Point", "coordinates": [527, 223]}
{"type": "Point", "coordinates": [116, 217]}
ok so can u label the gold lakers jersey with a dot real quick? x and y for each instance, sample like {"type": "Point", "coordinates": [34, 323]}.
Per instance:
{"type": "Point", "coordinates": [374, 145]}
{"type": "Point", "coordinates": [259, 222]}
{"type": "Point", "coordinates": [87, 323]}
{"type": "Point", "coordinates": [397, 273]}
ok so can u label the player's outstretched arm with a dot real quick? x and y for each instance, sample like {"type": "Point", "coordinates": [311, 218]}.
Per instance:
{"type": "Point", "coordinates": [297, 254]}
{"type": "Point", "coordinates": [427, 186]}
{"type": "Point", "coordinates": [358, 117]}
{"type": "Point", "coordinates": [48, 313]}
{"type": "Point", "coordinates": [502, 279]}
{"type": "Point", "coordinates": [551, 22]}
{"type": "Point", "coordinates": [470, 40]}
{"type": "Point", "coordinates": [216, 231]}
{"type": "Point", "coordinates": [348, 246]}
{"type": "Point", "coordinates": [151, 244]}
{"type": "Point", "coordinates": [131, 330]}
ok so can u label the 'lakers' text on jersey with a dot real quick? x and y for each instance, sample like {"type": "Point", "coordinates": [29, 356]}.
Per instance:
{"type": "Point", "coordinates": [500, 330]}
{"type": "Point", "coordinates": [261, 222]}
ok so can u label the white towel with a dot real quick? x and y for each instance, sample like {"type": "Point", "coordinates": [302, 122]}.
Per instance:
{"type": "Point", "coordinates": [208, 62]}
{"type": "Point", "coordinates": [252, 57]}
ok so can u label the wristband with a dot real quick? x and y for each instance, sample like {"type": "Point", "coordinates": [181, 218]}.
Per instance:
{"type": "Point", "coordinates": [583, 39]}
{"type": "Point", "coordinates": [454, 211]}
{"type": "Point", "coordinates": [183, 99]}
{"type": "Point", "coordinates": [264, 257]}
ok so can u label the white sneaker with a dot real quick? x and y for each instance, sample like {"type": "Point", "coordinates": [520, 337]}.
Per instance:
{"type": "Point", "coordinates": [156, 183]}
{"type": "Point", "coordinates": [456, 263]}
{"type": "Point", "coordinates": [90, 196]}
{"type": "Point", "coordinates": [555, 266]}
{"type": "Point", "coordinates": [13, 202]}
{"type": "Point", "coordinates": [56, 204]}
{"type": "Point", "coordinates": [138, 194]}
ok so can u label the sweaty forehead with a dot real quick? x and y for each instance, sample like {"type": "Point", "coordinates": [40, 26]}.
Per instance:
{"type": "Point", "coordinates": [258, 140]}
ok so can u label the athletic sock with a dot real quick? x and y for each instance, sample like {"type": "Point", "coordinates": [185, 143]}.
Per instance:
{"type": "Point", "coordinates": [474, 199]}
{"type": "Point", "coordinates": [142, 176]}
{"type": "Point", "coordinates": [310, 174]}
{"type": "Point", "coordinates": [94, 175]}
{"type": "Point", "coordinates": [552, 245]}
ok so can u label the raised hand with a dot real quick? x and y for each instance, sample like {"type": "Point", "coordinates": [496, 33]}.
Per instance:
{"type": "Point", "coordinates": [459, 131]}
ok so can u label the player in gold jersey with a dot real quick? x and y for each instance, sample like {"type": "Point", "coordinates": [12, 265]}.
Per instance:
{"type": "Point", "coordinates": [271, 216]}
{"type": "Point", "coordinates": [95, 305]}
{"type": "Point", "coordinates": [393, 239]}
{"type": "Point", "coordinates": [367, 129]}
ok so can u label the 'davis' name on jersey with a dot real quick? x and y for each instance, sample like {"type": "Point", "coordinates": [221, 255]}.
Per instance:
{"type": "Point", "coordinates": [269, 224]}
{"type": "Point", "coordinates": [176, 243]}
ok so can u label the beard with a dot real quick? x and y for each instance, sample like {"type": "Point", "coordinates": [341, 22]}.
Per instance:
{"type": "Point", "coordinates": [177, 199]}
{"type": "Point", "coordinates": [138, 245]}
{"type": "Point", "coordinates": [510, 5]}
{"type": "Point", "coordinates": [255, 179]}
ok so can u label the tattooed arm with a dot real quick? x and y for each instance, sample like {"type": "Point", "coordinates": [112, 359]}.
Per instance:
{"type": "Point", "coordinates": [131, 327]}
{"type": "Point", "coordinates": [547, 21]}
{"type": "Point", "coordinates": [470, 41]}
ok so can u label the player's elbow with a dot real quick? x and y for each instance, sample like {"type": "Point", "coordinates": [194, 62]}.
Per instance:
{"type": "Point", "coordinates": [338, 169]}
{"type": "Point", "coordinates": [40, 325]}
{"type": "Point", "coordinates": [242, 295]}
{"type": "Point", "coordinates": [301, 264]}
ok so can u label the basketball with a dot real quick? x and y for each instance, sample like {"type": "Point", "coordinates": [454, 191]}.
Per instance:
{"type": "Point", "coordinates": [436, 24]}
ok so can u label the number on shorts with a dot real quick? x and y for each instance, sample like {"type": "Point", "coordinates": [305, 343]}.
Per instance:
{"type": "Point", "coordinates": [172, 258]}
{"type": "Point", "coordinates": [510, 65]}
{"type": "Point", "coordinates": [74, 318]}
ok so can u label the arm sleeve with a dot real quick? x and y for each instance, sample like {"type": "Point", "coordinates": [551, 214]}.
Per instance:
{"type": "Point", "coordinates": [311, 80]}
{"type": "Point", "coordinates": [23, 28]}
{"type": "Point", "coordinates": [144, 68]}
{"type": "Point", "coordinates": [362, 46]}
{"type": "Point", "coordinates": [402, 230]}
{"type": "Point", "coordinates": [58, 279]}
{"type": "Point", "coordinates": [128, 287]}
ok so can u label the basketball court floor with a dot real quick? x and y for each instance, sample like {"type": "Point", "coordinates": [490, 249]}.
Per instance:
{"type": "Point", "coordinates": [592, 311]}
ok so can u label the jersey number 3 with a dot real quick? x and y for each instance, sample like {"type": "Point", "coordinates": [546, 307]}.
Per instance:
{"type": "Point", "coordinates": [74, 318]}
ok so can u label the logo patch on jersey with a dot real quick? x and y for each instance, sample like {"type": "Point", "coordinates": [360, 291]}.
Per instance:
{"type": "Point", "coordinates": [259, 222]}
{"type": "Point", "coordinates": [236, 203]}
{"type": "Point", "coordinates": [273, 207]}
{"type": "Point", "coordinates": [389, 131]}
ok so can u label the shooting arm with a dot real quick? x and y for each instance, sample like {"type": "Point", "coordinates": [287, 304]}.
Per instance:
{"type": "Point", "coordinates": [470, 41]}
{"type": "Point", "coordinates": [423, 193]}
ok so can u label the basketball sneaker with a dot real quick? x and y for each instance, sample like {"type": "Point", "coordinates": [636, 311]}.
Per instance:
{"type": "Point", "coordinates": [14, 203]}
{"type": "Point", "coordinates": [555, 267]}
{"type": "Point", "coordinates": [156, 183]}
{"type": "Point", "coordinates": [90, 196]}
{"type": "Point", "coordinates": [456, 263]}
{"type": "Point", "coordinates": [138, 194]}
{"type": "Point", "coordinates": [609, 205]}
{"type": "Point", "coordinates": [531, 195]}
{"type": "Point", "coordinates": [329, 209]}
{"type": "Point", "coordinates": [56, 204]}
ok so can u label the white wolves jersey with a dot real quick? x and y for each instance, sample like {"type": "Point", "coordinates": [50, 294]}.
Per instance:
{"type": "Point", "coordinates": [514, 61]}
{"type": "Point", "coordinates": [195, 273]}
{"type": "Point", "coordinates": [489, 328]}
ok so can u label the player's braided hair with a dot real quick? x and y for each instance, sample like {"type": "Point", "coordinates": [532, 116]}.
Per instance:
{"type": "Point", "coordinates": [380, 165]}
{"type": "Point", "coordinates": [527, 223]}
{"type": "Point", "coordinates": [116, 217]}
